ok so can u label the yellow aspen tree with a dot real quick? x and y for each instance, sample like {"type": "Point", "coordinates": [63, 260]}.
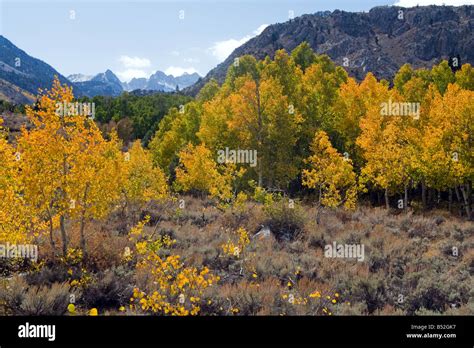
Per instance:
{"type": "Point", "coordinates": [176, 129]}
{"type": "Point", "coordinates": [383, 144]}
{"type": "Point", "coordinates": [451, 143]}
{"type": "Point", "coordinates": [320, 85]}
{"type": "Point", "coordinates": [44, 165]}
{"type": "Point", "coordinates": [214, 129]}
{"type": "Point", "coordinates": [418, 90]}
{"type": "Point", "coordinates": [18, 220]}
{"type": "Point", "coordinates": [349, 108]}
{"type": "Point", "coordinates": [465, 77]}
{"type": "Point", "coordinates": [143, 181]}
{"type": "Point", "coordinates": [284, 69]}
{"type": "Point", "coordinates": [331, 174]}
{"type": "Point", "coordinates": [199, 172]}
{"type": "Point", "coordinates": [264, 121]}
{"type": "Point", "coordinates": [67, 167]}
{"type": "Point", "coordinates": [197, 169]}
{"type": "Point", "coordinates": [94, 177]}
{"type": "Point", "coordinates": [442, 75]}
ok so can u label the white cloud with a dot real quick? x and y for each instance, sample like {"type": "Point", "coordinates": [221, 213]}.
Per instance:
{"type": "Point", "coordinates": [133, 67]}
{"type": "Point", "coordinates": [134, 62]}
{"type": "Point", "coordinates": [178, 71]}
{"type": "Point", "coordinates": [222, 49]}
{"type": "Point", "coordinates": [128, 74]}
{"type": "Point", "coordinates": [412, 3]}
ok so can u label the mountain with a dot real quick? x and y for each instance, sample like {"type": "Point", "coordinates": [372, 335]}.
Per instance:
{"type": "Point", "coordinates": [159, 81]}
{"type": "Point", "coordinates": [135, 84]}
{"type": "Point", "coordinates": [22, 75]}
{"type": "Point", "coordinates": [186, 80]}
{"type": "Point", "coordinates": [106, 83]}
{"type": "Point", "coordinates": [380, 41]}
{"type": "Point", "coordinates": [15, 94]}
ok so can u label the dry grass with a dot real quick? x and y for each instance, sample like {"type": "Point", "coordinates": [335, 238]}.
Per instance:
{"type": "Point", "coordinates": [409, 266]}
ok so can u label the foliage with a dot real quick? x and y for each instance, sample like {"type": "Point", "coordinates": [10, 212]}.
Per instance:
{"type": "Point", "coordinates": [145, 112]}
{"type": "Point", "coordinates": [143, 182]}
{"type": "Point", "coordinates": [331, 173]}
{"type": "Point", "coordinates": [19, 221]}
{"type": "Point", "coordinates": [235, 249]}
{"type": "Point", "coordinates": [176, 289]}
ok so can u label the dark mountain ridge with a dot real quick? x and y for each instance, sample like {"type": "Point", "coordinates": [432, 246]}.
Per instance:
{"type": "Point", "coordinates": [19, 69]}
{"type": "Point", "coordinates": [21, 75]}
{"type": "Point", "coordinates": [106, 83]}
{"type": "Point", "coordinates": [380, 41]}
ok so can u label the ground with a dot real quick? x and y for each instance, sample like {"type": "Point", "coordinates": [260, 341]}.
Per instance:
{"type": "Point", "coordinates": [414, 263]}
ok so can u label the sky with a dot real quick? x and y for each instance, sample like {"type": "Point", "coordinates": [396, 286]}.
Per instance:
{"type": "Point", "coordinates": [136, 38]}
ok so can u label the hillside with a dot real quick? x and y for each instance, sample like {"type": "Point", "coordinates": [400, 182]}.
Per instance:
{"type": "Point", "coordinates": [14, 94]}
{"type": "Point", "coordinates": [376, 41]}
{"type": "Point", "coordinates": [27, 73]}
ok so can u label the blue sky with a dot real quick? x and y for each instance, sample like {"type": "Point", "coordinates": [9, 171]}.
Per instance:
{"type": "Point", "coordinates": [136, 38]}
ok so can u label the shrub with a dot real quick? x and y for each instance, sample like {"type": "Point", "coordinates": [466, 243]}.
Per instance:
{"type": "Point", "coordinates": [18, 298]}
{"type": "Point", "coordinates": [48, 275]}
{"type": "Point", "coordinates": [285, 223]}
{"type": "Point", "coordinates": [109, 291]}
{"type": "Point", "coordinates": [372, 292]}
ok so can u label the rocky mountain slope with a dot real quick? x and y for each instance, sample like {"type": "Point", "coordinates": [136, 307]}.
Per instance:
{"type": "Point", "coordinates": [160, 81]}
{"type": "Point", "coordinates": [22, 74]}
{"type": "Point", "coordinates": [380, 41]}
{"type": "Point", "coordinates": [106, 83]}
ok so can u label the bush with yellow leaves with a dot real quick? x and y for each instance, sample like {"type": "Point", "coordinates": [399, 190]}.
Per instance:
{"type": "Point", "coordinates": [237, 248]}
{"type": "Point", "coordinates": [174, 289]}
{"type": "Point", "coordinates": [78, 275]}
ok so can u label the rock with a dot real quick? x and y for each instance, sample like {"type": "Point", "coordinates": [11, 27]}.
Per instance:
{"type": "Point", "coordinates": [377, 41]}
{"type": "Point", "coordinates": [264, 232]}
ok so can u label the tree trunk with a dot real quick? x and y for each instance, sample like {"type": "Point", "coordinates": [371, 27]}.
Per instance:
{"type": "Point", "coordinates": [83, 221]}
{"type": "Point", "coordinates": [83, 238]}
{"type": "Point", "coordinates": [387, 202]}
{"type": "Point", "coordinates": [423, 194]}
{"type": "Point", "coordinates": [62, 219]}
{"type": "Point", "coordinates": [467, 206]}
{"type": "Point", "coordinates": [469, 197]}
{"type": "Point", "coordinates": [458, 196]}
{"type": "Point", "coordinates": [62, 226]}
{"type": "Point", "coordinates": [450, 200]}
{"type": "Point", "coordinates": [318, 218]}
{"type": "Point", "coordinates": [51, 236]}
{"type": "Point", "coordinates": [405, 204]}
